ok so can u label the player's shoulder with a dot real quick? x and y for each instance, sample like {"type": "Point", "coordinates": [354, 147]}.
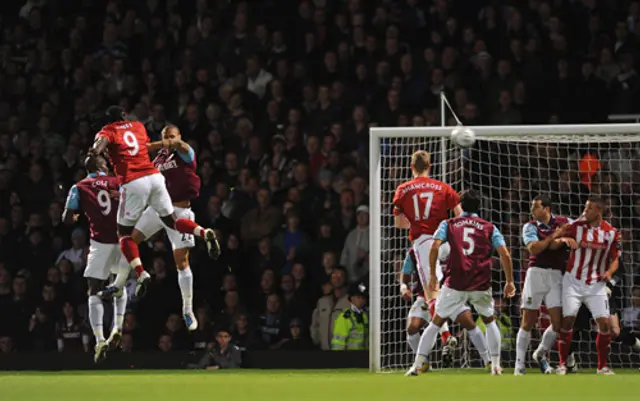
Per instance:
{"type": "Point", "coordinates": [561, 220]}
{"type": "Point", "coordinates": [606, 226]}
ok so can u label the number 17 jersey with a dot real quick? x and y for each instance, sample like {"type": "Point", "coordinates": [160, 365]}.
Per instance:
{"type": "Point", "coordinates": [127, 150]}
{"type": "Point", "coordinates": [97, 196]}
{"type": "Point", "coordinates": [426, 203]}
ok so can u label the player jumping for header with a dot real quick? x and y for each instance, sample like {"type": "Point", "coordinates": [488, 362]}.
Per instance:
{"type": "Point", "coordinates": [97, 196]}
{"type": "Point", "coordinates": [176, 161]}
{"type": "Point", "coordinates": [471, 241]}
{"type": "Point", "coordinates": [420, 205]}
{"type": "Point", "coordinates": [543, 281]}
{"type": "Point", "coordinates": [142, 185]}
{"type": "Point", "coordinates": [592, 263]}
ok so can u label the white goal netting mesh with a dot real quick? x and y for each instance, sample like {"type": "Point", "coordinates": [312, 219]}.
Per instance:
{"type": "Point", "coordinates": [509, 172]}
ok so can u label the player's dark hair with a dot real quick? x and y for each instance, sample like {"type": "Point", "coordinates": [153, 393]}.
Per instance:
{"type": "Point", "coordinates": [93, 163]}
{"type": "Point", "coordinates": [597, 200]}
{"type": "Point", "coordinates": [114, 114]}
{"type": "Point", "coordinates": [545, 201]}
{"type": "Point", "coordinates": [470, 201]}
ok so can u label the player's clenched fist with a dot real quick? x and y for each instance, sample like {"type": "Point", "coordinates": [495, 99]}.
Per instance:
{"type": "Point", "coordinates": [509, 290]}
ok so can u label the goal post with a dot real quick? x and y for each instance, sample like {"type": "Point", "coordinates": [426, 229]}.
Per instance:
{"type": "Point", "coordinates": [508, 165]}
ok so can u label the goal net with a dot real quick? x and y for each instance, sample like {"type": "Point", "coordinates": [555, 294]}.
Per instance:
{"type": "Point", "coordinates": [509, 165]}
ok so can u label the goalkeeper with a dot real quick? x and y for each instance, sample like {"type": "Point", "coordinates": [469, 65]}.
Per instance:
{"type": "Point", "coordinates": [622, 336]}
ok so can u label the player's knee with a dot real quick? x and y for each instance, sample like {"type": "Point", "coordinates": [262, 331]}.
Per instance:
{"type": "Point", "coordinates": [487, 319]}
{"type": "Point", "coordinates": [181, 258]}
{"type": "Point", "coordinates": [567, 323]}
{"type": "Point", "coordinates": [137, 236]}
{"type": "Point", "coordinates": [529, 318]}
{"type": "Point", "coordinates": [603, 325]}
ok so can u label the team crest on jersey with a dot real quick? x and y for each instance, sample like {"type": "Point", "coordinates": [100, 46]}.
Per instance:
{"type": "Point", "coordinates": [529, 300]}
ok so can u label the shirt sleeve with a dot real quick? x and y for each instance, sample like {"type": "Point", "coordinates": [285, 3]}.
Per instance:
{"type": "Point", "coordinates": [73, 199]}
{"type": "Point", "coordinates": [104, 133]}
{"type": "Point", "coordinates": [529, 234]}
{"type": "Point", "coordinates": [408, 267]}
{"type": "Point", "coordinates": [453, 198]}
{"type": "Point", "coordinates": [442, 231]}
{"type": "Point", "coordinates": [397, 202]}
{"type": "Point", "coordinates": [189, 156]}
{"type": "Point", "coordinates": [497, 239]}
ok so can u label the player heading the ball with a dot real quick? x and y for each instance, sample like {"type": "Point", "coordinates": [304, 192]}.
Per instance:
{"type": "Point", "coordinates": [142, 185]}
{"type": "Point", "coordinates": [591, 265]}
{"type": "Point", "coordinates": [420, 205]}
{"type": "Point", "coordinates": [472, 241]}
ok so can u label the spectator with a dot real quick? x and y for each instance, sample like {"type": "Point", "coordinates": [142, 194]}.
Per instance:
{"type": "Point", "coordinates": [261, 221]}
{"type": "Point", "coordinates": [71, 331]}
{"type": "Point", "coordinates": [223, 355]}
{"type": "Point", "coordinates": [329, 306]}
{"type": "Point", "coordinates": [631, 314]}
{"type": "Point", "coordinates": [297, 340]}
{"type": "Point", "coordinates": [244, 336]}
{"type": "Point", "coordinates": [355, 254]}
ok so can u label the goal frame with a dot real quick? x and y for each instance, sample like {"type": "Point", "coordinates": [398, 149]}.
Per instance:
{"type": "Point", "coordinates": [443, 132]}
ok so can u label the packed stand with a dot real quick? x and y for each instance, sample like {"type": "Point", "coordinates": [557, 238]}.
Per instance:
{"type": "Point", "coordinates": [277, 98]}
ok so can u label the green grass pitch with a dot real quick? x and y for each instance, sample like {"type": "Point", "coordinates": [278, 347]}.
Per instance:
{"type": "Point", "coordinates": [330, 385]}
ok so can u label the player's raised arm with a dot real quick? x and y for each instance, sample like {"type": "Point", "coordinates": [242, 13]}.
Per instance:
{"type": "Point", "coordinates": [72, 206]}
{"type": "Point", "coordinates": [457, 210]}
{"type": "Point", "coordinates": [499, 244]}
{"type": "Point", "coordinates": [400, 220]}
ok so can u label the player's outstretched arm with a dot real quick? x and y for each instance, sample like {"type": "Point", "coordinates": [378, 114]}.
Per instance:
{"type": "Point", "coordinates": [613, 268]}
{"type": "Point", "coordinates": [507, 266]}
{"type": "Point", "coordinates": [173, 144]}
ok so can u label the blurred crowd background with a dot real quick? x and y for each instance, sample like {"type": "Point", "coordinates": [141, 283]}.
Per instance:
{"type": "Point", "coordinates": [277, 98]}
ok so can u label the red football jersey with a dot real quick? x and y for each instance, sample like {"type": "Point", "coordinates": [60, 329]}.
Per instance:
{"type": "Point", "coordinates": [597, 247]}
{"type": "Point", "coordinates": [127, 150]}
{"type": "Point", "coordinates": [426, 203]}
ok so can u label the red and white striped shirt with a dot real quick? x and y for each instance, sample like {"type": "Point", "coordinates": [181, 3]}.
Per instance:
{"type": "Point", "coordinates": [597, 248]}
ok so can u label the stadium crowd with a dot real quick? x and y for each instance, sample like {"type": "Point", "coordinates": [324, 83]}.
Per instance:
{"type": "Point", "coordinates": [277, 97]}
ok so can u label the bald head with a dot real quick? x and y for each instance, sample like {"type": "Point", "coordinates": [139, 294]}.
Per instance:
{"type": "Point", "coordinates": [171, 132]}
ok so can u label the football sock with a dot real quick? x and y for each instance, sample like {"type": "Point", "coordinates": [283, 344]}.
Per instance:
{"type": "Point", "coordinates": [185, 282]}
{"type": "Point", "coordinates": [548, 338]}
{"type": "Point", "coordinates": [187, 226]}
{"type": "Point", "coordinates": [119, 309]}
{"type": "Point", "coordinates": [413, 340]}
{"type": "Point", "coordinates": [478, 341]}
{"type": "Point", "coordinates": [444, 333]}
{"type": "Point", "coordinates": [96, 316]}
{"type": "Point", "coordinates": [427, 341]}
{"type": "Point", "coordinates": [131, 252]}
{"type": "Point", "coordinates": [522, 345]}
{"type": "Point", "coordinates": [494, 342]}
{"type": "Point", "coordinates": [602, 344]}
{"type": "Point", "coordinates": [564, 344]}
{"type": "Point", "coordinates": [122, 275]}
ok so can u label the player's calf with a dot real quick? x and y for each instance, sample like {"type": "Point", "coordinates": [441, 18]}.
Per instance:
{"type": "Point", "coordinates": [603, 340]}
{"type": "Point", "coordinates": [413, 332]}
{"type": "Point", "coordinates": [477, 338]}
{"type": "Point", "coordinates": [185, 282]}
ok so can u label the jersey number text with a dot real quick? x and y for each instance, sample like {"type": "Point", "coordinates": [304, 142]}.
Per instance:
{"type": "Point", "coordinates": [104, 200]}
{"type": "Point", "coordinates": [427, 206]}
{"type": "Point", "coordinates": [468, 240]}
{"type": "Point", "coordinates": [132, 142]}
